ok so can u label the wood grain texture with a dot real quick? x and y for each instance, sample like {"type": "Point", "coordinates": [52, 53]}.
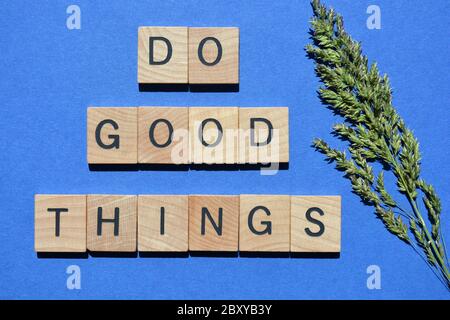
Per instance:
{"type": "Point", "coordinates": [221, 150]}
{"type": "Point", "coordinates": [330, 239]}
{"type": "Point", "coordinates": [211, 240]}
{"type": "Point", "coordinates": [125, 118]}
{"type": "Point", "coordinates": [279, 208]}
{"type": "Point", "coordinates": [125, 241]}
{"type": "Point", "coordinates": [72, 223]}
{"type": "Point", "coordinates": [226, 70]}
{"type": "Point", "coordinates": [176, 69]}
{"type": "Point", "coordinates": [277, 149]}
{"type": "Point", "coordinates": [170, 134]}
{"type": "Point", "coordinates": [173, 236]}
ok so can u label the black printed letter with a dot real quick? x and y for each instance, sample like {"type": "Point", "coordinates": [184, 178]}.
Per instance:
{"type": "Point", "coordinates": [219, 51]}
{"type": "Point", "coordinates": [219, 129]}
{"type": "Point", "coordinates": [100, 221]}
{"type": "Point", "coordinates": [315, 221]}
{"type": "Point", "coordinates": [151, 49]}
{"type": "Point", "coordinates": [116, 140]}
{"type": "Point", "coordinates": [57, 212]}
{"type": "Point", "coordinates": [217, 227]}
{"type": "Point", "coordinates": [268, 224]}
{"type": "Point", "coordinates": [152, 133]}
{"type": "Point", "coordinates": [252, 132]}
{"type": "Point", "coordinates": [161, 222]}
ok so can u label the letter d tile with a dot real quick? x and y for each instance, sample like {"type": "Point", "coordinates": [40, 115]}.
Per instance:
{"type": "Point", "coordinates": [163, 55]}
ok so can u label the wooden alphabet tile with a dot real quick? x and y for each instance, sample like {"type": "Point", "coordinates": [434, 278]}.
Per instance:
{"type": "Point", "coordinates": [264, 135]}
{"type": "Point", "coordinates": [111, 223]}
{"type": "Point", "coordinates": [315, 224]}
{"type": "Point", "coordinates": [214, 55]}
{"type": "Point", "coordinates": [112, 135]}
{"type": "Point", "coordinates": [163, 135]}
{"type": "Point", "coordinates": [60, 223]}
{"type": "Point", "coordinates": [264, 223]}
{"type": "Point", "coordinates": [163, 223]}
{"type": "Point", "coordinates": [162, 55]}
{"type": "Point", "coordinates": [214, 135]}
{"type": "Point", "coordinates": [213, 223]}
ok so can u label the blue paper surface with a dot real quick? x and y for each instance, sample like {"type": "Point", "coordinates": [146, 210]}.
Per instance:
{"type": "Point", "coordinates": [50, 75]}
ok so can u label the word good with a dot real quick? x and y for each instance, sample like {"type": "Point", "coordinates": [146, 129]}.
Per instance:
{"type": "Point", "coordinates": [181, 135]}
{"type": "Point", "coordinates": [188, 55]}
{"type": "Point", "coordinates": [264, 223]}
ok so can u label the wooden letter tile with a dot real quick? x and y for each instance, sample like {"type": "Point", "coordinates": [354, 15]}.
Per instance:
{"type": "Point", "coordinates": [218, 141]}
{"type": "Point", "coordinates": [163, 135]}
{"type": "Point", "coordinates": [264, 223]}
{"type": "Point", "coordinates": [60, 223]}
{"type": "Point", "coordinates": [112, 135]}
{"type": "Point", "coordinates": [214, 55]}
{"type": "Point", "coordinates": [257, 142]}
{"type": "Point", "coordinates": [163, 55]}
{"type": "Point", "coordinates": [163, 223]}
{"type": "Point", "coordinates": [213, 223]}
{"type": "Point", "coordinates": [111, 223]}
{"type": "Point", "coordinates": [315, 223]}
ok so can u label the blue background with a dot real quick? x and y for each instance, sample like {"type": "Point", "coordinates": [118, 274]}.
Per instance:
{"type": "Point", "coordinates": [49, 75]}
